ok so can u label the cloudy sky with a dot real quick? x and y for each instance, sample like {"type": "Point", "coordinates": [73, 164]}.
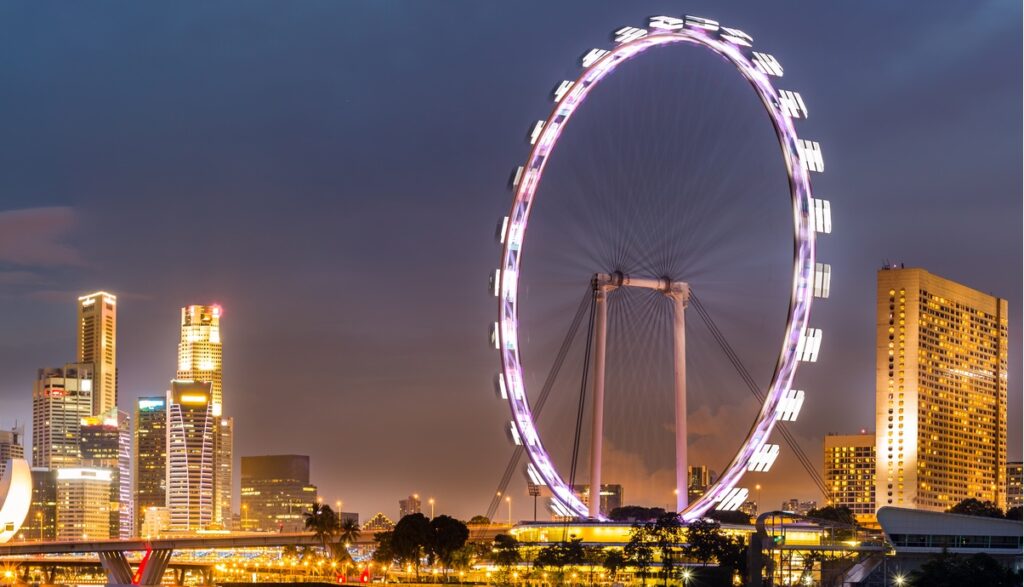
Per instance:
{"type": "Point", "coordinates": [331, 173]}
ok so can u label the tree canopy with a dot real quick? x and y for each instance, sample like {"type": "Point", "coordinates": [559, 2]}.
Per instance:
{"type": "Point", "coordinates": [953, 571]}
{"type": "Point", "coordinates": [636, 513]}
{"type": "Point", "coordinates": [975, 507]}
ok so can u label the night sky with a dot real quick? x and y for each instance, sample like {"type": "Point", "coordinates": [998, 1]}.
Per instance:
{"type": "Point", "coordinates": [331, 173]}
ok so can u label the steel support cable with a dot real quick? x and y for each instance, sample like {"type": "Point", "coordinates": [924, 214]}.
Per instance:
{"type": "Point", "coordinates": [542, 398]}
{"type": "Point", "coordinates": [583, 388]}
{"type": "Point", "coordinates": [755, 390]}
{"type": "Point", "coordinates": [734, 358]}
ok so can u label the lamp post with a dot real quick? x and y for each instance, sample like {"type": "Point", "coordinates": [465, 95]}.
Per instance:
{"type": "Point", "coordinates": [757, 488]}
{"type": "Point", "coordinates": [431, 502]}
{"type": "Point", "coordinates": [508, 500]}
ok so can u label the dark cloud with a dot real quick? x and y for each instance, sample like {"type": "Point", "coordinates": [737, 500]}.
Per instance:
{"type": "Point", "coordinates": [38, 237]}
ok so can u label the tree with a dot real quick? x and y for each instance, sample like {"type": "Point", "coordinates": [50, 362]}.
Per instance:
{"type": "Point", "coordinates": [703, 540]}
{"type": "Point", "coordinates": [839, 514]}
{"type": "Point", "coordinates": [320, 520]}
{"type": "Point", "coordinates": [729, 516]}
{"type": "Point", "coordinates": [1014, 513]}
{"type": "Point", "coordinates": [974, 507]}
{"type": "Point", "coordinates": [951, 571]}
{"type": "Point", "coordinates": [668, 531]}
{"type": "Point", "coordinates": [639, 550]}
{"type": "Point", "coordinates": [410, 538]}
{"type": "Point", "coordinates": [384, 554]}
{"type": "Point", "coordinates": [732, 554]}
{"type": "Point", "coordinates": [447, 535]}
{"type": "Point", "coordinates": [613, 562]}
{"type": "Point", "coordinates": [479, 520]}
{"type": "Point", "coordinates": [507, 551]}
{"type": "Point", "coordinates": [635, 513]}
{"type": "Point", "coordinates": [561, 554]}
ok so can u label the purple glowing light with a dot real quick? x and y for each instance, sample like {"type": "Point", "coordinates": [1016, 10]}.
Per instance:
{"type": "Point", "coordinates": [756, 69]}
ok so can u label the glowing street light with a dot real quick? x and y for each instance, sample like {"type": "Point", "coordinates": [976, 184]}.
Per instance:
{"type": "Point", "coordinates": [687, 574]}
{"type": "Point", "coordinates": [508, 500]}
{"type": "Point", "coordinates": [431, 502]}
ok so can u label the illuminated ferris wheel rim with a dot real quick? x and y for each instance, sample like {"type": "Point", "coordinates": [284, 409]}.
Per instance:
{"type": "Point", "coordinates": [809, 215]}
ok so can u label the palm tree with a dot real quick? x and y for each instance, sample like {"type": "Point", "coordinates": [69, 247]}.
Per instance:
{"type": "Point", "coordinates": [348, 531]}
{"type": "Point", "coordinates": [320, 520]}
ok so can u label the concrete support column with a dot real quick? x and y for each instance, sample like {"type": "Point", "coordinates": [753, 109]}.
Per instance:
{"type": "Point", "coordinates": [119, 572]}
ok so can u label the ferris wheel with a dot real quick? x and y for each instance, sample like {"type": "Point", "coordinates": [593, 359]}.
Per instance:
{"type": "Point", "coordinates": [801, 342]}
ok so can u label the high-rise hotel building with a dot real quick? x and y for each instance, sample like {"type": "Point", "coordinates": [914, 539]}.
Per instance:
{"type": "Point", "coordinates": [200, 359]}
{"type": "Point", "coordinates": [190, 457]}
{"type": "Point", "coordinates": [850, 473]}
{"type": "Point", "coordinates": [106, 443]}
{"type": "Point", "coordinates": [940, 403]}
{"type": "Point", "coordinates": [97, 344]}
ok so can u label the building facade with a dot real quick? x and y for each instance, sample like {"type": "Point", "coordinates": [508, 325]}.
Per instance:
{"type": "Point", "coordinates": [850, 473]}
{"type": "Point", "coordinates": [699, 478]}
{"type": "Point", "coordinates": [276, 492]}
{"type": "Point", "coordinates": [190, 464]}
{"type": "Point", "coordinates": [61, 398]}
{"type": "Point", "coordinates": [409, 505]}
{"type": "Point", "coordinates": [798, 506]}
{"type": "Point", "coordinates": [83, 503]}
{"type": "Point", "coordinates": [106, 443]}
{"type": "Point", "coordinates": [940, 403]}
{"type": "Point", "coordinates": [41, 521]}
{"type": "Point", "coordinates": [11, 446]}
{"type": "Point", "coordinates": [611, 496]}
{"type": "Point", "coordinates": [97, 344]}
{"type": "Point", "coordinates": [1014, 497]}
{"type": "Point", "coordinates": [149, 471]}
{"type": "Point", "coordinates": [200, 358]}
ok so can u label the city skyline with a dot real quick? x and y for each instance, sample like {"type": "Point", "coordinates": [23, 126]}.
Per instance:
{"type": "Point", "coordinates": [342, 317]}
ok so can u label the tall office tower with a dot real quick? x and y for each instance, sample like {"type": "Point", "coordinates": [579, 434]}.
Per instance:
{"type": "Point", "coordinates": [200, 359]}
{"type": "Point", "coordinates": [97, 344]}
{"type": "Point", "coordinates": [799, 507]}
{"type": "Point", "coordinates": [41, 521]}
{"type": "Point", "coordinates": [610, 496]}
{"type": "Point", "coordinates": [61, 397]}
{"type": "Point", "coordinates": [106, 443]}
{"type": "Point", "coordinates": [199, 351]}
{"type": "Point", "coordinates": [409, 505]}
{"type": "Point", "coordinates": [10, 446]}
{"type": "Point", "coordinates": [223, 451]}
{"type": "Point", "coordinates": [1014, 474]}
{"type": "Point", "coordinates": [149, 474]}
{"type": "Point", "coordinates": [276, 492]}
{"type": "Point", "coordinates": [83, 503]}
{"type": "Point", "coordinates": [190, 464]}
{"type": "Point", "coordinates": [699, 479]}
{"type": "Point", "coordinates": [850, 473]}
{"type": "Point", "coordinates": [940, 401]}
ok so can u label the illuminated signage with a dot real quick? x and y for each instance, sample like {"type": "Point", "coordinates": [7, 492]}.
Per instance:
{"type": "Point", "coordinates": [193, 399]}
{"type": "Point", "coordinates": [147, 405]}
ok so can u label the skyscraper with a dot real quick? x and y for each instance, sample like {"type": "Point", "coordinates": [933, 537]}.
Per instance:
{"type": "Point", "coordinates": [940, 402]}
{"type": "Point", "coordinates": [276, 492]}
{"type": "Point", "coordinates": [223, 451]}
{"type": "Point", "coordinates": [850, 473]}
{"type": "Point", "coordinates": [200, 359]}
{"type": "Point", "coordinates": [149, 474]}
{"type": "Point", "coordinates": [610, 496]}
{"type": "Point", "coordinates": [41, 521]}
{"type": "Point", "coordinates": [409, 505]}
{"type": "Point", "coordinates": [190, 464]}
{"type": "Point", "coordinates": [97, 344]}
{"type": "Point", "coordinates": [106, 443]}
{"type": "Point", "coordinates": [83, 503]}
{"type": "Point", "coordinates": [199, 350]}
{"type": "Point", "coordinates": [10, 446]}
{"type": "Point", "coordinates": [1014, 487]}
{"type": "Point", "coordinates": [61, 397]}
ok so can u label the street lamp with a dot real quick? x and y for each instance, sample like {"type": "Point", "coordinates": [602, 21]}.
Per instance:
{"type": "Point", "coordinates": [431, 502]}
{"type": "Point", "coordinates": [758, 489]}
{"type": "Point", "coordinates": [686, 576]}
{"type": "Point", "coordinates": [508, 500]}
